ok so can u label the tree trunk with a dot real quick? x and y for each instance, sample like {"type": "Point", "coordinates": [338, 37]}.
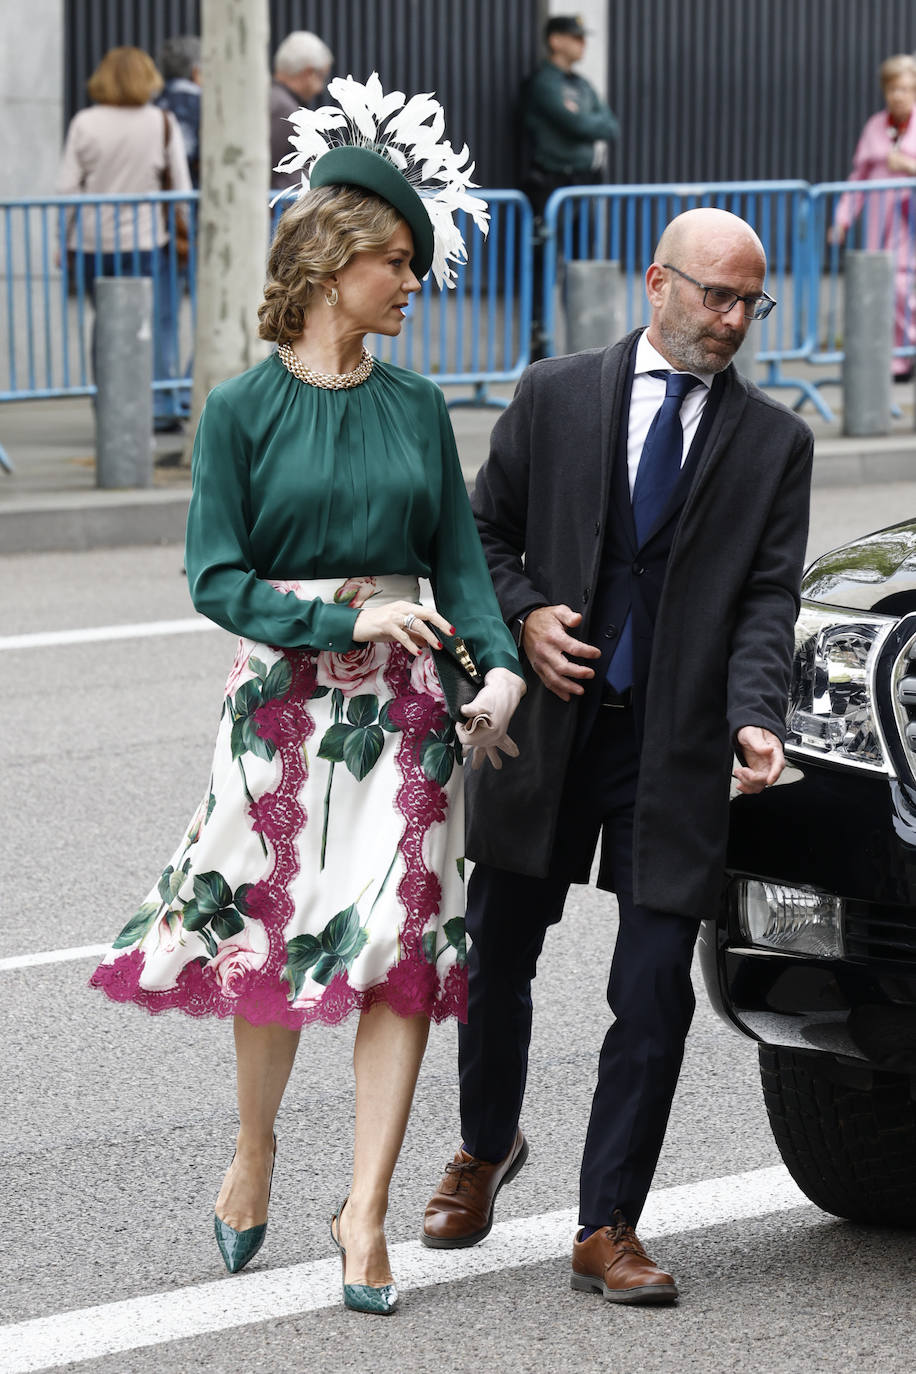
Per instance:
{"type": "Point", "coordinates": [234, 183]}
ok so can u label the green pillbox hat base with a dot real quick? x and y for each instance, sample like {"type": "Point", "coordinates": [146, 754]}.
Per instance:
{"type": "Point", "coordinates": [352, 166]}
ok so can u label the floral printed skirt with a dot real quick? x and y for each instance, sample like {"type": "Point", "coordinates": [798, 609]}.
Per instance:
{"type": "Point", "coordinates": [324, 870]}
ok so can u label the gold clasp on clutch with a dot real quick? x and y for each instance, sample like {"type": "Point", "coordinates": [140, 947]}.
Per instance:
{"type": "Point", "coordinates": [464, 658]}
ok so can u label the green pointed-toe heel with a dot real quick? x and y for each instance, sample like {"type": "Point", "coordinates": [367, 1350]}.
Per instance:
{"type": "Point", "coordinates": [363, 1297]}
{"type": "Point", "coordinates": [239, 1247]}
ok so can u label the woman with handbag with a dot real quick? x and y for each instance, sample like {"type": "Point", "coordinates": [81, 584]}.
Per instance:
{"type": "Point", "coordinates": [323, 872]}
{"type": "Point", "coordinates": [122, 144]}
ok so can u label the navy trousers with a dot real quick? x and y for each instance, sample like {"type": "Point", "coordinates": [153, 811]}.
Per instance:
{"type": "Point", "coordinates": [649, 990]}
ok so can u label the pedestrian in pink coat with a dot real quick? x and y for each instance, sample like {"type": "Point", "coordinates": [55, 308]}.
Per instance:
{"type": "Point", "coordinates": [887, 149]}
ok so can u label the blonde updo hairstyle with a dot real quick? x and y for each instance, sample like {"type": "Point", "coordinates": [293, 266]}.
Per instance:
{"type": "Point", "coordinates": [316, 236]}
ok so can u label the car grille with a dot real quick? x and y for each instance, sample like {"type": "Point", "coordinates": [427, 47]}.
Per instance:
{"type": "Point", "coordinates": [875, 932]}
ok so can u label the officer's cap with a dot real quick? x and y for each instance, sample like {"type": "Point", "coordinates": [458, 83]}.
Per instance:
{"type": "Point", "coordinates": [570, 24]}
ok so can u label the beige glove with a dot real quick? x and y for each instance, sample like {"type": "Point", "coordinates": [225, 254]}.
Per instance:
{"type": "Point", "coordinates": [488, 718]}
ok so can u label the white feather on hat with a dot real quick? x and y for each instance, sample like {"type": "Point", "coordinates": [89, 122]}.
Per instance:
{"type": "Point", "coordinates": [409, 133]}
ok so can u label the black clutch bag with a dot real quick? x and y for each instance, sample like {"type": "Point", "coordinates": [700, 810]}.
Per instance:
{"type": "Point", "coordinates": [459, 676]}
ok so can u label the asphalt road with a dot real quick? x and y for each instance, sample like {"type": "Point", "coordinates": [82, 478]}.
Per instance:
{"type": "Point", "coordinates": [115, 1127]}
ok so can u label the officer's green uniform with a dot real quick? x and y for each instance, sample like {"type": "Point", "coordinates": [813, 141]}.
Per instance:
{"type": "Point", "coordinates": [564, 118]}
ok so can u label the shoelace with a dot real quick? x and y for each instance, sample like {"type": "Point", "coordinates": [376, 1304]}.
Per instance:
{"type": "Point", "coordinates": [461, 1169]}
{"type": "Point", "coordinates": [622, 1234]}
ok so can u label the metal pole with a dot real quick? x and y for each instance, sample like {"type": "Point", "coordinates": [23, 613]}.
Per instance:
{"type": "Point", "coordinates": [592, 299]}
{"type": "Point", "coordinates": [868, 342]}
{"type": "Point", "coordinates": [123, 350]}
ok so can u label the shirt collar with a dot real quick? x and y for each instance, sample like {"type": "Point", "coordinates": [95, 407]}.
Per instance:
{"type": "Point", "coordinates": [649, 359]}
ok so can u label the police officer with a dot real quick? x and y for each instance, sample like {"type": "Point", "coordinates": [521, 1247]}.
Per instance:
{"type": "Point", "coordinates": [566, 125]}
{"type": "Point", "coordinates": [565, 119]}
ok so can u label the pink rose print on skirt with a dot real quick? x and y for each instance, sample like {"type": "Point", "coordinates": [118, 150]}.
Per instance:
{"type": "Point", "coordinates": [239, 669]}
{"type": "Point", "coordinates": [237, 956]}
{"type": "Point", "coordinates": [294, 587]}
{"type": "Point", "coordinates": [359, 671]}
{"type": "Point", "coordinates": [424, 678]}
{"type": "Point", "coordinates": [355, 592]}
{"type": "Point", "coordinates": [169, 932]}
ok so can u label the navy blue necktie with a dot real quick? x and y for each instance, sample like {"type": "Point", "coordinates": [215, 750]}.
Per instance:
{"type": "Point", "coordinates": [658, 471]}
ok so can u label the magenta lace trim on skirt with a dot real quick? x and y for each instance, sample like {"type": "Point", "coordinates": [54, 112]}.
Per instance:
{"type": "Point", "coordinates": [260, 995]}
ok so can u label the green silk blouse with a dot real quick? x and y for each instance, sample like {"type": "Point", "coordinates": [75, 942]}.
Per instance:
{"type": "Point", "coordinates": [290, 481]}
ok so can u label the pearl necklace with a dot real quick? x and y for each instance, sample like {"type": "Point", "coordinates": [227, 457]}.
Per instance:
{"type": "Point", "coordinates": [328, 381]}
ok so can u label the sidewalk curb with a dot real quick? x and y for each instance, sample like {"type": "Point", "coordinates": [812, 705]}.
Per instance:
{"type": "Point", "coordinates": [851, 462]}
{"type": "Point", "coordinates": [94, 520]}
{"type": "Point", "coordinates": [76, 521]}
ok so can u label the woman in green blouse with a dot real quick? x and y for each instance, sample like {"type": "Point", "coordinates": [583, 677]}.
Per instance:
{"type": "Point", "coordinates": [322, 873]}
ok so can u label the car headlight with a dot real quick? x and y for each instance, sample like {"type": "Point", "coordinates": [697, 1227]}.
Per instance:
{"type": "Point", "coordinates": [798, 920]}
{"type": "Point", "coordinates": [831, 703]}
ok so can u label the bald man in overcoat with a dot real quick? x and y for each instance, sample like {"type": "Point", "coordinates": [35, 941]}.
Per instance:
{"type": "Point", "coordinates": [644, 513]}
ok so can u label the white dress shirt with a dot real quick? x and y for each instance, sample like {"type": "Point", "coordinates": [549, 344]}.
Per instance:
{"type": "Point", "coordinates": [646, 399]}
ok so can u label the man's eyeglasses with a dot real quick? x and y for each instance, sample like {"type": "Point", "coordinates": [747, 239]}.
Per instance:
{"type": "Point", "coordinates": [719, 299]}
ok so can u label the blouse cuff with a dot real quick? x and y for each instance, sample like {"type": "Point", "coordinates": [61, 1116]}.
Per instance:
{"type": "Point", "coordinates": [498, 659]}
{"type": "Point", "coordinates": [335, 627]}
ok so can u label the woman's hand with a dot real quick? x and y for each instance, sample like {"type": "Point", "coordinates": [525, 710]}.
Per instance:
{"type": "Point", "coordinates": [495, 702]}
{"type": "Point", "coordinates": [400, 622]}
{"type": "Point", "coordinates": [900, 164]}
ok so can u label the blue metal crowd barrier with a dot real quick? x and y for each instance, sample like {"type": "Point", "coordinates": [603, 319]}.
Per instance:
{"type": "Point", "coordinates": [624, 223]}
{"type": "Point", "coordinates": [52, 247]}
{"type": "Point", "coordinates": [477, 335]}
{"type": "Point", "coordinates": [877, 215]}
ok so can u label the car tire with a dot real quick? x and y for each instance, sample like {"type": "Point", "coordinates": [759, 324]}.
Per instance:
{"type": "Point", "coordinates": [850, 1145]}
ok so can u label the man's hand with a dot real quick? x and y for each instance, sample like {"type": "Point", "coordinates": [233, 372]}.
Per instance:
{"type": "Point", "coordinates": [550, 650]}
{"type": "Point", "coordinates": [764, 759]}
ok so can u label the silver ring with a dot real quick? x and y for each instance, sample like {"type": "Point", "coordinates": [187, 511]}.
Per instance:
{"type": "Point", "coordinates": [409, 620]}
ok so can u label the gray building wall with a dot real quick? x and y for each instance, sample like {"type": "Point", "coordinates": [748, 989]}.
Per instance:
{"type": "Point", "coordinates": [31, 95]}
{"type": "Point", "coordinates": [730, 90]}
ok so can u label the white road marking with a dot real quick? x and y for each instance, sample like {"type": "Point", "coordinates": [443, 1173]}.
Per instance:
{"type": "Point", "coordinates": [48, 639]}
{"type": "Point", "coordinates": [53, 956]}
{"type": "Point", "coordinates": [93, 1332]}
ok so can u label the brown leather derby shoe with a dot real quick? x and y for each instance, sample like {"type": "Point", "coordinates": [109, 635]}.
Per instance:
{"type": "Point", "coordinates": [460, 1211]}
{"type": "Point", "coordinates": [612, 1262]}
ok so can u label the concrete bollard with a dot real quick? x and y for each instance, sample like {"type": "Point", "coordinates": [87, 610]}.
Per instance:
{"type": "Point", "coordinates": [123, 354]}
{"type": "Point", "coordinates": [868, 342]}
{"type": "Point", "coordinates": [592, 298]}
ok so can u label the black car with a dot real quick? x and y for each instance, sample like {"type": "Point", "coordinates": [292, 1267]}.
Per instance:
{"type": "Point", "coordinates": [814, 951]}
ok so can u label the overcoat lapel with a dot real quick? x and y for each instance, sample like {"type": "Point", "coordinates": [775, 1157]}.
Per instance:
{"type": "Point", "coordinates": [616, 390]}
{"type": "Point", "coordinates": [725, 422]}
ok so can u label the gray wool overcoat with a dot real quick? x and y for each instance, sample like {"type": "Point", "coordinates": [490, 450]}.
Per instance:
{"type": "Point", "coordinates": [724, 630]}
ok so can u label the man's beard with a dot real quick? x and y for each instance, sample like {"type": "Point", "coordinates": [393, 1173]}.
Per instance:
{"type": "Point", "coordinates": [688, 348]}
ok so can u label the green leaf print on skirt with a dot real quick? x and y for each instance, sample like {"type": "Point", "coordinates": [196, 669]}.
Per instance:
{"type": "Point", "coordinates": [455, 938]}
{"type": "Point", "coordinates": [356, 742]}
{"type": "Point", "coordinates": [331, 952]}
